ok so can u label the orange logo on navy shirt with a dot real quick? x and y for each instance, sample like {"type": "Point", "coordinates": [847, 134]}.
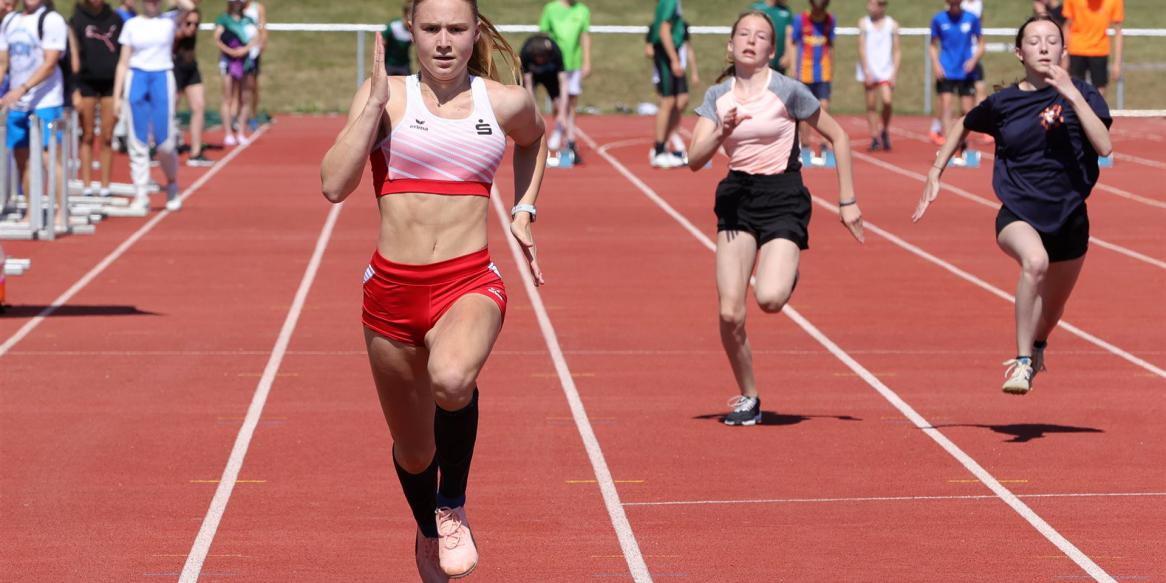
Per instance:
{"type": "Point", "coordinates": [1052, 116]}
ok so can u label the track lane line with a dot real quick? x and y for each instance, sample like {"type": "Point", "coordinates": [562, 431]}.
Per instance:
{"type": "Point", "coordinates": [619, 520]}
{"type": "Point", "coordinates": [116, 254]}
{"type": "Point", "coordinates": [218, 506]}
{"type": "Point", "coordinates": [985, 477]}
{"type": "Point", "coordinates": [892, 499]}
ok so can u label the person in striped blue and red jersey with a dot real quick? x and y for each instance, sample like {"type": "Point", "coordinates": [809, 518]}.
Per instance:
{"type": "Point", "coordinates": [813, 36]}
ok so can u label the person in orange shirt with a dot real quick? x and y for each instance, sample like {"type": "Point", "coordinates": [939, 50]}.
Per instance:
{"type": "Point", "coordinates": [1086, 26]}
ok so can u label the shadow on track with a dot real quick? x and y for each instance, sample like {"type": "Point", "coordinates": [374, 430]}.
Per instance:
{"type": "Point", "coordinates": [774, 418]}
{"type": "Point", "coordinates": [1025, 432]}
{"type": "Point", "coordinates": [32, 311]}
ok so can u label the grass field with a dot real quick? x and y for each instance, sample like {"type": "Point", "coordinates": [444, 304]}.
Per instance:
{"type": "Point", "coordinates": [315, 72]}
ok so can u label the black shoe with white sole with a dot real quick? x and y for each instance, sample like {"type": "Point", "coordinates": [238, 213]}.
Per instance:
{"type": "Point", "coordinates": [746, 411]}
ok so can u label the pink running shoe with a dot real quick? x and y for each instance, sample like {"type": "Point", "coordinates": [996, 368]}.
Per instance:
{"type": "Point", "coordinates": [427, 560]}
{"type": "Point", "coordinates": [457, 553]}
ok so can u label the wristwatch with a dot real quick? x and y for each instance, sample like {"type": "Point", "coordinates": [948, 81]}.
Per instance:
{"type": "Point", "coordinates": [524, 208]}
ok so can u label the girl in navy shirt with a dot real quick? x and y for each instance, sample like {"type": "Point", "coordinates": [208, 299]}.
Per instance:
{"type": "Point", "coordinates": [1049, 130]}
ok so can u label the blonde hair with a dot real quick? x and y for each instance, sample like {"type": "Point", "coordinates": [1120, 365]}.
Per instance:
{"type": "Point", "coordinates": [482, 63]}
{"type": "Point", "coordinates": [731, 66]}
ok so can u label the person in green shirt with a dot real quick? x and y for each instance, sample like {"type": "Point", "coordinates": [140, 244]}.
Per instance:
{"type": "Point", "coordinates": [778, 12]}
{"type": "Point", "coordinates": [667, 36]}
{"type": "Point", "coordinates": [568, 23]}
{"type": "Point", "coordinates": [398, 39]}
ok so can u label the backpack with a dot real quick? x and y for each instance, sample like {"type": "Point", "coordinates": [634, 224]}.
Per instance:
{"type": "Point", "coordinates": [65, 63]}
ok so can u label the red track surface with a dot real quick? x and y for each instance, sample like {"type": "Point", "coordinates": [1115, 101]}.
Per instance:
{"type": "Point", "coordinates": [116, 409]}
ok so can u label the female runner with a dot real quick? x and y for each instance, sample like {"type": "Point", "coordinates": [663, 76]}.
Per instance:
{"type": "Point", "coordinates": [433, 301]}
{"type": "Point", "coordinates": [762, 207]}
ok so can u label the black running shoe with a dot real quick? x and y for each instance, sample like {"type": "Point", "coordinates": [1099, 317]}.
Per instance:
{"type": "Point", "coordinates": [886, 141]}
{"type": "Point", "coordinates": [874, 145]}
{"type": "Point", "coordinates": [746, 411]}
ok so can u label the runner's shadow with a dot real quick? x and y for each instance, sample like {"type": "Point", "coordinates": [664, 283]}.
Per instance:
{"type": "Point", "coordinates": [32, 311]}
{"type": "Point", "coordinates": [1025, 432]}
{"type": "Point", "coordinates": [774, 418]}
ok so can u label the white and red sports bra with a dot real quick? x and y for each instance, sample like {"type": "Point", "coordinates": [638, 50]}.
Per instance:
{"type": "Point", "coordinates": [434, 155]}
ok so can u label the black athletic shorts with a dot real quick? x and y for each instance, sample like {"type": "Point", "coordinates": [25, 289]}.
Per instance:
{"type": "Point", "coordinates": [1066, 243]}
{"type": "Point", "coordinates": [94, 87]}
{"type": "Point", "coordinates": [962, 87]}
{"type": "Point", "coordinates": [1097, 67]}
{"type": "Point", "coordinates": [768, 206]}
{"type": "Point", "coordinates": [549, 80]}
{"type": "Point", "coordinates": [185, 75]}
{"type": "Point", "coordinates": [977, 74]}
{"type": "Point", "coordinates": [667, 84]}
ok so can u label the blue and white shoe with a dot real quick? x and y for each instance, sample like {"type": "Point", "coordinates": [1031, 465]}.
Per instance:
{"type": "Point", "coordinates": [745, 411]}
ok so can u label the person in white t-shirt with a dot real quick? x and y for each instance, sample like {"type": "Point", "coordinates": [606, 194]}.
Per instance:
{"type": "Point", "coordinates": [31, 60]}
{"type": "Point", "coordinates": [877, 68]}
{"type": "Point", "coordinates": [145, 81]}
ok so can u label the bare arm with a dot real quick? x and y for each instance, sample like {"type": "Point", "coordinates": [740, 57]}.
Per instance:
{"type": "Point", "coordinates": [707, 138]}
{"type": "Point", "coordinates": [522, 122]}
{"type": "Point", "coordinates": [897, 53]}
{"type": "Point", "coordinates": [849, 213]}
{"type": "Point", "coordinates": [585, 42]}
{"type": "Point", "coordinates": [955, 136]}
{"type": "Point", "coordinates": [262, 26]}
{"type": "Point", "coordinates": [692, 67]}
{"type": "Point", "coordinates": [669, 46]}
{"type": "Point", "coordinates": [119, 77]}
{"type": "Point", "coordinates": [75, 54]}
{"type": "Point", "coordinates": [788, 55]}
{"type": "Point", "coordinates": [1094, 128]}
{"type": "Point", "coordinates": [38, 76]}
{"type": "Point", "coordinates": [862, 53]}
{"type": "Point", "coordinates": [343, 165]}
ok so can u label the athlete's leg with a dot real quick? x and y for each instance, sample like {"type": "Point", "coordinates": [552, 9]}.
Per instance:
{"type": "Point", "coordinates": [887, 95]}
{"type": "Point", "coordinates": [406, 397]}
{"type": "Point", "coordinates": [736, 253]}
{"type": "Point", "coordinates": [458, 346]}
{"type": "Point", "coordinates": [104, 135]}
{"type": "Point", "coordinates": [872, 116]}
{"type": "Point", "coordinates": [777, 271]}
{"type": "Point", "coordinates": [163, 123]}
{"type": "Point", "coordinates": [663, 118]}
{"type": "Point", "coordinates": [945, 114]}
{"type": "Point", "coordinates": [1059, 281]}
{"type": "Point", "coordinates": [87, 115]}
{"type": "Point", "coordinates": [677, 111]}
{"type": "Point", "coordinates": [572, 103]}
{"type": "Point", "coordinates": [225, 108]}
{"type": "Point", "coordinates": [1022, 242]}
{"type": "Point", "coordinates": [138, 127]}
{"type": "Point", "coordinates": [196, 98]}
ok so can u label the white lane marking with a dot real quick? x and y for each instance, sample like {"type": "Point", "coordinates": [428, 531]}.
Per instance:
{"type": "Point", "coordinates": [893, 398]}
{"type": "Point", "coordinates": [619, 519]}
{"type": "Point", "coordinates": [1140, 160]}
{"type": "Point", "coordinates": [218, 506]}
{"type": "Point", "coordinates": [116, 254]}
{"type": "Point", "coordinates": [891, 499]}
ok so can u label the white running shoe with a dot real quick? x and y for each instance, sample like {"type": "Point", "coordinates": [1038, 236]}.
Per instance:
{"type": "Point", "coordinates": [141, 202]}
{"type": "Point", "coordinates": [425, 552]}
{"type": "Point", "coordinates": [1018, 376]}
{"type": "Point", "coordinates": [556, 140]}
{"type": "Point", "coordinates": [230, 140]}
{"type": "Point", "coordinates": [665, 160]}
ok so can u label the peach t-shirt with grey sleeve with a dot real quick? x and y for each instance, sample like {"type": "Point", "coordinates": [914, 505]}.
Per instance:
{"type": "Point", "coordinates": [767, 142]}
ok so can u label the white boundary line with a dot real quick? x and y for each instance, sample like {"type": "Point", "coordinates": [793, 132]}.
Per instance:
{"type": "Point", "coordinates": [218, 506]}
{"type": "Point", "coordinates": [619, 519]}
{"type": "Point", "coordinates": [116, 254]}
{"type": "Point", "coordinates": [891, 499]}
{"type": "Point", "coordinates": [893, 398]}
{"type": "Point", "coordinates": [1140, 160]}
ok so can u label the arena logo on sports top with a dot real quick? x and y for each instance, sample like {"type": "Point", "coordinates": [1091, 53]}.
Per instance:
{"type": "Point", "coordinates": [815, 41]}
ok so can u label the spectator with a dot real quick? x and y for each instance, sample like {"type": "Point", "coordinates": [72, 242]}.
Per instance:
{"type": "Point", "coordinates": [813, 35]}
{"type": "Point", "coordinates": [145, 79]}
{"type": "Point", "coordinates": [1087, 24]}
{"type": "Point", "coordinates": [542, 64]}
{"type": "Point", "coordinates": [127, 10]}
{"type": "Point", "coordinates": [878, 67]}
{"type": "Point", "coordinates": [677, 103]}
{"type": "Point", "coordinates": [258, 13]}
{"type": "Point", "coordinates": [957, 45]}
{"type": "Point", "coordinates": [1052, 9]}
{"type": "Point", "coordinates": [188, 83]}
{"type": "Point", "coordinates": [568, 22]}
{"type": "Point", "coordinates": [94, 30]}
{"type": "Point", "coordinates": [234, 36]}
{"type": "Point", "coordinates": [779, 14]}
{"type": "Point", "coordinates": [398, 39]}
{"type": "Point", "coordinates": [32, 60]}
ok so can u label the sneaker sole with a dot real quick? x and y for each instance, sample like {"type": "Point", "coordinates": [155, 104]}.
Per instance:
{"type": "Point", "coordinates": [1017, 390]}
{"type": "Point", "coordinates": [746, 423]}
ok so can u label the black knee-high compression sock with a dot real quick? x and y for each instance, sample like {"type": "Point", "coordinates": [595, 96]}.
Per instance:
{"type": "Point", "coordinates": [421, 493]}
{"type": "Point", "coordinates": [455, 433]}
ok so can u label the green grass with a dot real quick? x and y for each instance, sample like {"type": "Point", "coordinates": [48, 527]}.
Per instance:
{"type": "Point", "coordinates": [316, 72]}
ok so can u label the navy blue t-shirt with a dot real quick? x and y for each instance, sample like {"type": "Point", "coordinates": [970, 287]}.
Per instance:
{"type": "Point", "coordinates": [1045, 166]}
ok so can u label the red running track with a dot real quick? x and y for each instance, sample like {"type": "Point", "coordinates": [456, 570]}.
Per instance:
{"type": "Point", "coordinates": [119, 412]}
